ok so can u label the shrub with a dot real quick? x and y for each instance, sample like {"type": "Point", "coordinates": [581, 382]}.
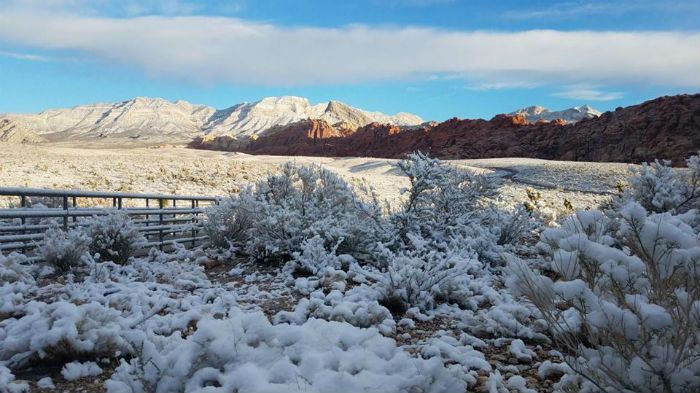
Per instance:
{"type": "Point", "coordinates": [624, 300]}
{"type": "Point", "coordinates": [446, 205]}
{"type": "Point", "coordinates": [64, 250]}
{"type": "Point", "coordinates": [11, 269]}
{"type": "Point", "coordinates": [272, 220]}
{"type": "Point", "coordinates": [440, 197]}
{"type": "Point", "coordinates": [423, 278]}
{"type": "Point", "coordinates": [660, 188]}
{"type": "Point", "coordinates": [228, 222]}
{"type": "Point", "coordinates": [114, 237]}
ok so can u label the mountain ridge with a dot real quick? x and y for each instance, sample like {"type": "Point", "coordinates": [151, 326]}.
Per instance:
{"type": "Point", "coordinates": [666, 128]}
{"type": "Point", "coordinates": [574, 114]}
{"type": "Point", "coordinates": [160, 120]}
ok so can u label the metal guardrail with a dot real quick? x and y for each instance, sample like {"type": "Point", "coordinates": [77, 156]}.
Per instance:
{"type": "Point", "coordinates": [163, 219]}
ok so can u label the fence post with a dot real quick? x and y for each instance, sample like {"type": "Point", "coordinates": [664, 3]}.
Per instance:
{"type": "Point", "coordinates": [174, 221]}
{"type": "Point", "coordinates": [75, 206]}
{"type": "Point", "coordinates": [23, 204]}
{"type": "Point", "coordinates": [194, 224]}
{"type": "Point", "coordinates": [65, 217]}
{"type": "Point", "coordinates": [160, 214]}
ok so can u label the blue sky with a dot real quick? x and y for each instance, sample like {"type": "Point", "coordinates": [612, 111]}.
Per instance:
{"type": "Point", "coordinates": [435, 58]}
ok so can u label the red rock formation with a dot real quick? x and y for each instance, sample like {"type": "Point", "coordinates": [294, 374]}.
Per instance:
{"type": "Point", "coordinates": [667, 128]}
{"type": "Point", "coordinates": [306, 137]}
{"type": "Point", "coordinates": [509, 120]}
{"type": "Point", "coordinates": [559, 121]}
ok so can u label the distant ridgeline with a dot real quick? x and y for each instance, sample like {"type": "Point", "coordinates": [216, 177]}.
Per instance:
{"type": "Point", "coordinates": [664, 128]}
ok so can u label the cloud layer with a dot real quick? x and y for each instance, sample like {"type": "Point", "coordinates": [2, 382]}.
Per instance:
{"type": "Point", "coordinates": [588, 94]}
{"type": "Point", "coordinates": [216, 49]}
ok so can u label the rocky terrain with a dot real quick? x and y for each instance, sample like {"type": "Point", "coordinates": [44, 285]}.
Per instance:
{"type": "Point", "coordinates": [666, 128]}
{"type": "Point", "coordinates": [155, 120]}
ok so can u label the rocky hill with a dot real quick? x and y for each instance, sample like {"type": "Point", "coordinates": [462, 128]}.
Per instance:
{"type": "Point", "coordinates": [10, 133]}
{"type": "Point", "coordinates": [666, 127]}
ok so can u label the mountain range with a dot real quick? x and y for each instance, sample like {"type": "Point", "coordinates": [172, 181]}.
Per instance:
{"type": "Point", "coordinates": [155, 120]}
{"type": "Point", "coordinates": [664, 128]}
{"type": "Point", "coordinates": [667, 127]}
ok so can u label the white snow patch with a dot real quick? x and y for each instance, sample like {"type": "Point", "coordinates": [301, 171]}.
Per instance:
{"type": "Point", "coordinates": [76, 370]}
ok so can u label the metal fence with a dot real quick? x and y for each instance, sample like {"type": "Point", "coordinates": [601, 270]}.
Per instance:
{"type": "Point", "coordinates": [163, 219]}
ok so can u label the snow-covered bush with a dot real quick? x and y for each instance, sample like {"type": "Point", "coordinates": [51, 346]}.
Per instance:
{"type": "Point", "coordinates": [62, 330]}
{"type": "Point", "coordinates": [513, 225]}
{"type": "Point", "coordinates": [542, 211]}
{"type": "Point", "coordinates": [114, 237]}
{"type": "Point", "coordinates": [64, 250]}
{"type": "Point", "coordinates": [445, 204]}
{"type": "Point", "coordinates": [315, 257]}
{"type": "Point", "coordinates": [425, 277]}
{"type": "Point", "coordinates": [622, 299]}
{"type": "Point", "coordinates": [11, 269]}
{"type": "Point", "coordinates": [272, 220]}
{"type": "Point", "coordinates": [440, 197]}
{"type": "Point", "coordinates": [358, 307]}
{"type": "Point", "coordinates": [228, 222]}
{"type": "Point", "coordinates": [16, 283]}
{"type": "Point", "coordinates": [658, 187]}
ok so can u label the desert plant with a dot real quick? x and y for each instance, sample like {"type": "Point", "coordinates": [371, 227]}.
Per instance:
{"type": "Point", "coordinates": [228, 222]}
{"type": "Point", "coordinates": [64, 250]}
{"type": "Point", "coordinates": [114, 237]}
{"type": "Point", "coordinates": [624, 301]}
{"type": "Point", "coordinates": [659, 188]}
{"type": "Point", "coordinates": [439, 198]}
{"type": "Point", "coordinates": [272, 219]}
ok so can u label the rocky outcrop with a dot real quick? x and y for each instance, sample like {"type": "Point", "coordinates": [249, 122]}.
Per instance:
{"type": "Point", "coordinates": [665, 128]}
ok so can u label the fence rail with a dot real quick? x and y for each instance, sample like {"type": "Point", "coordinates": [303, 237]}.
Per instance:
{"type": "Point", "coordinates": [163, 219]}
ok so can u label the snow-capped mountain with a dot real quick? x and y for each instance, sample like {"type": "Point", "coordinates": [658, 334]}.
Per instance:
{"type": "Point", "coordinates": [156, 119]}
{"type": "Point", "coordinates": [570, 115]}
{"type": "Point", "coordinates": [253, 118]}
{"type": "Point", "coordinates": [139, 116]}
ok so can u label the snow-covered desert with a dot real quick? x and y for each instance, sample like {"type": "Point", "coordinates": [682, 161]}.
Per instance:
{"type": "Point", "coordinates": [179, 170]}
{"type": "Point", "coordinates": [413, 275]}
{"type": "Point", "coordinates": [357, 196]}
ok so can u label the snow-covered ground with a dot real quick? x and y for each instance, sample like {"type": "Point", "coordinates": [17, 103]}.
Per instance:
{"type": "Point", "coordinates": [180, 170]}
{"type": "Point", "coordinates": [384, 312]}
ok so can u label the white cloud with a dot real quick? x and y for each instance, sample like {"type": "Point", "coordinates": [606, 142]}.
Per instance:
{"type": "Point", "coordinates": [23, 56]}
{"type": "Point", "coordinates": [588, 94]}
{"type": "Point", "coordinates": [217, 49]}
{"type": "Point", "coordinates": [485, 86]}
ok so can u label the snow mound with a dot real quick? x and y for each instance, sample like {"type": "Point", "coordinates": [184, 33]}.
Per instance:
{"type": "Point", "coordinates": [246, 353]}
